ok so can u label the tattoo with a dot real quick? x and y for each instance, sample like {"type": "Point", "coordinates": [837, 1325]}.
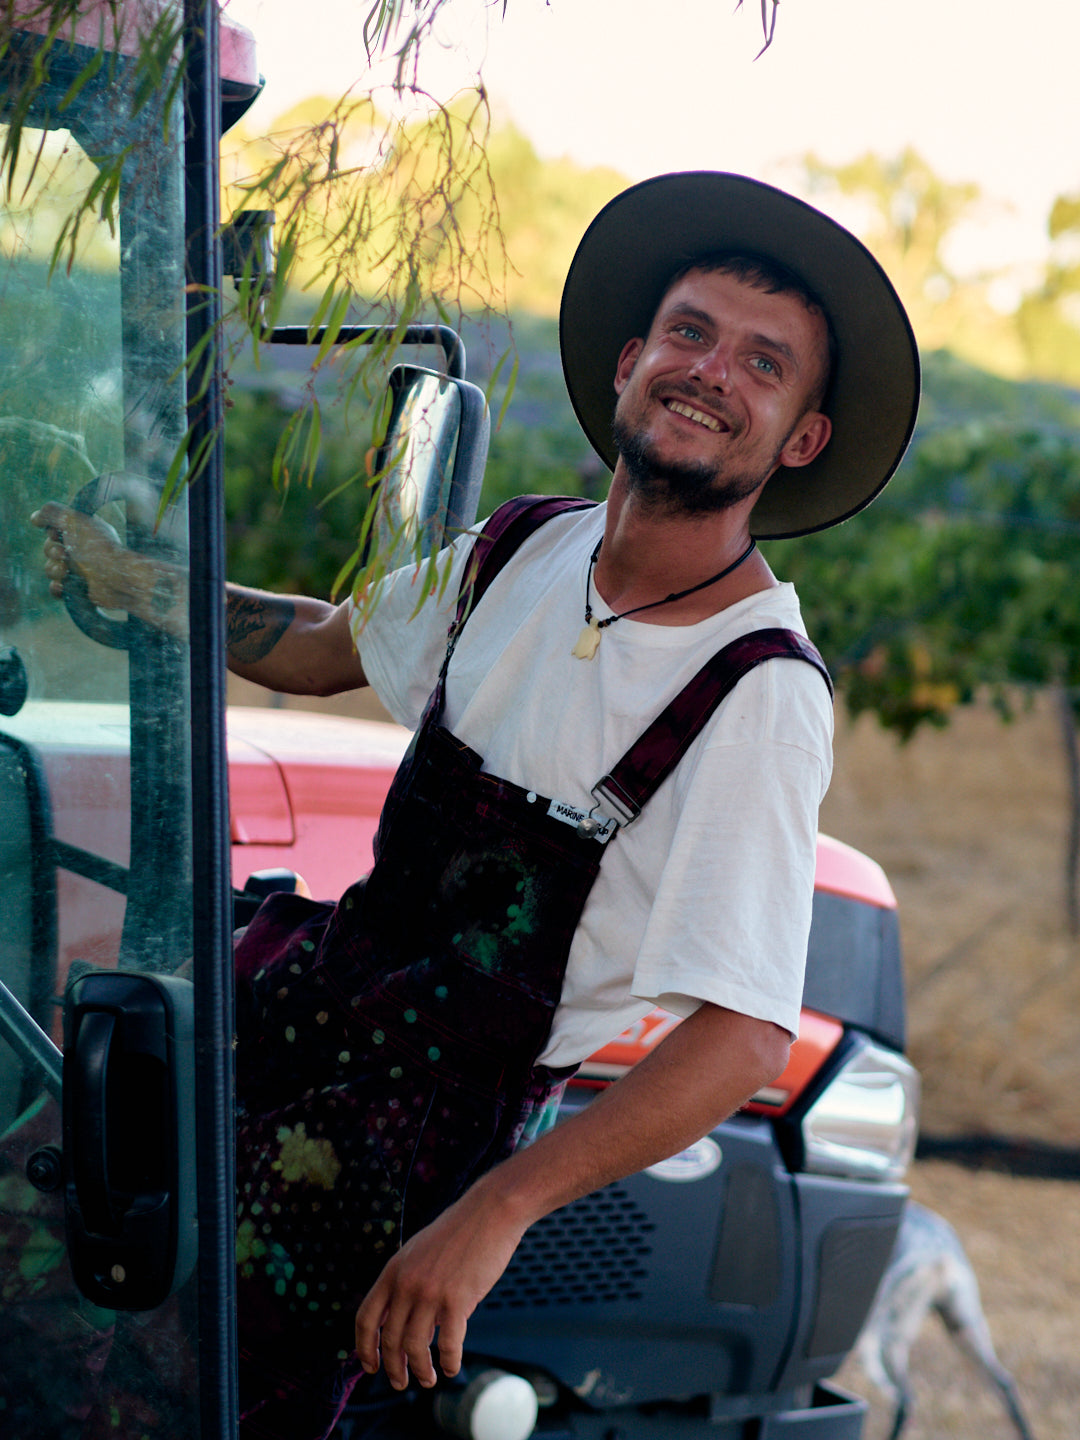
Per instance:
{"type": "Point", "coordinates": [254, 624]}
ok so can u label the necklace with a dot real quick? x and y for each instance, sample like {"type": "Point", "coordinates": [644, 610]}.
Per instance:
{"type": "Point", "coordinates": [589, 639]}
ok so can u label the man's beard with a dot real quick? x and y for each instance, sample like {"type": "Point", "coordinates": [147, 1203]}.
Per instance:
{"type": "Point", "coordinates": [681, 488]}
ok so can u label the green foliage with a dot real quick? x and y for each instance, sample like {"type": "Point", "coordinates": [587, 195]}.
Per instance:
{"type": "Point", "coordinates": [538, 448]}
{"type": "Point", "coordinates": [959, 579]}
{"type": "Point", "coordinates": [294, 537]}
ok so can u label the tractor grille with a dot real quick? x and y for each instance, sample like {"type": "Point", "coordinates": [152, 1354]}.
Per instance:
{"type": "Point", "coordinates": [589, 1253]}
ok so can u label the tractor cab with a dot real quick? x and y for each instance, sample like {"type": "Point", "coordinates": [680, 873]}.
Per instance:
{"type": "Point", "coordinates": [116, 1202]}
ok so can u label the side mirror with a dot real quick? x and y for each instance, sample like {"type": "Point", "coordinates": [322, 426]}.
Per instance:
{"type": "Point", "coordinates": [433, 457]}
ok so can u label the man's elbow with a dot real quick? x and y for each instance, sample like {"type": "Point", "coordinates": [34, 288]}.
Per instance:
{"type": "Point", "coordinates": [764, 1052]}
{"type": "Point", "coordinates": [774, 1050]}
{"type": "Point", "coordinates": [750, 1052]}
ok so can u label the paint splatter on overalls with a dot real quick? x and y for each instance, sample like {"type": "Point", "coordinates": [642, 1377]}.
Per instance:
{"type": "Point", "coordinates": [412, 1013]}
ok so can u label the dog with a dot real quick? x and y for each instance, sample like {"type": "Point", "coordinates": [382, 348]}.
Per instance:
{"type": "Point", "coordinates": [929, 1271]}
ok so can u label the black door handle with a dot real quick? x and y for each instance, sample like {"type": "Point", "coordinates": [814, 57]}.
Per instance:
{"type": "Point", "coordinates": [129, 1142]}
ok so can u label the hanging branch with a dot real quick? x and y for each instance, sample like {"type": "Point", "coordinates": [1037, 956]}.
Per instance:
{"type": "Point", "coordinates": [768, 22]}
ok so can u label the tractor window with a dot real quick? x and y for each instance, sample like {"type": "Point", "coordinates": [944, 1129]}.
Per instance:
{"type": "Point", "coordinates": [95, 791]}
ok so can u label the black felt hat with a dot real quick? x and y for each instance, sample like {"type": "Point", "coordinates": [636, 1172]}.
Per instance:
{"type": "Point", "coordinates": [636, 244]}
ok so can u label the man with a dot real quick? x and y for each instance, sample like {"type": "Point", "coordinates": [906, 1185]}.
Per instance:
{"type": "Point", "coordinates": [748, 372]}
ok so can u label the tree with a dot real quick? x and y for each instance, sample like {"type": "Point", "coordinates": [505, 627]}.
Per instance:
{"type": "Point", "coordinates": [908, 215]}
{"type": "Point", "coordinates": [1048, 318]}
{"type": "Point", "coordinates": [960, 580]}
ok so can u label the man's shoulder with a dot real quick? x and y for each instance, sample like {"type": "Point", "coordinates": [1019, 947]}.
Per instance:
{"type": "Point", "coordinates": [776, 608]}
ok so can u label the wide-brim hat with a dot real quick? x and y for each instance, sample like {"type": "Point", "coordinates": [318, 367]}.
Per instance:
{"type": "Point", "coordinates": [641, 238]}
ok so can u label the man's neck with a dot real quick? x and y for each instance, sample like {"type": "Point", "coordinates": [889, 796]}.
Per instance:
{"type": "Point", "coordinates": [648, 553]}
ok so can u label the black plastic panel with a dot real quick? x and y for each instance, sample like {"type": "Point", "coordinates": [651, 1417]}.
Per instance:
{"type": "Point", "coordinates": [852, 1259]}
{"type": "Point", "coordinates": [746, 1266]}
{"type": "Point", "coordinates": [853, 966]}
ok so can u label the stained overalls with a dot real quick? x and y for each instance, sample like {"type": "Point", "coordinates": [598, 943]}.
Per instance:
{"type": "Point", "coordinates": [387, 1045]}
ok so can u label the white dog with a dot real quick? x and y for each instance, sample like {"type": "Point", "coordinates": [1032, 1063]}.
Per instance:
{"type": "Point", "coordinates": [929, 1271]}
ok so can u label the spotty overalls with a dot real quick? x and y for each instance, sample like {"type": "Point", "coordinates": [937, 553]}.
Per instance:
{"type": "Point", "coordinates": [387, 1045]}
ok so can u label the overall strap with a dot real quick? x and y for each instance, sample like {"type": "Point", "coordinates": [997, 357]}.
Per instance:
{"type": "Point", "coordinates": [653, 756]}
{"type": "Point", "coordinates": [505, 531]}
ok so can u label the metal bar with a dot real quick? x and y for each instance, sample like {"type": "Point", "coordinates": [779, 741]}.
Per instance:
{"type": "Point", "coordinates": [219, 1404]}
{"type": "Point", "coordinates": [26, 1037]}
{"type": "Point", "coordinates": [449, 341]}
{"type": "Point", "coordinates": [89, 866]}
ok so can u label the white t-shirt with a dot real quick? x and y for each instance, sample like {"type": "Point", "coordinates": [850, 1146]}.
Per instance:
{"type": "Point", "coordinates": [707, 895]}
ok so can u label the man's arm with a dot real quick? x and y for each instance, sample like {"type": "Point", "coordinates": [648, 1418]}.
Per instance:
{"type": "Point", "coordinates": [293, 644]}
{"type": "Point", "coordinates": [290, 643]}
{"type": "Point", "coordinates": [706, 1068]}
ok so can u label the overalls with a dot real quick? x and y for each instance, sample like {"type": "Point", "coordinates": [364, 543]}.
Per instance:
{"type": "Point", "coordinates": [386, 1045]}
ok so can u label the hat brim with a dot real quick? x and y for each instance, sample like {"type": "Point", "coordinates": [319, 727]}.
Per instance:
{"type": "Point", "coordinates": [644, 235]}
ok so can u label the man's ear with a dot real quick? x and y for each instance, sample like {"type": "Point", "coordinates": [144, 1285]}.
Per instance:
{"type": "Point", "coordinates": [807, 440]}
{"type": "Point", "coordinates": [627, 360]}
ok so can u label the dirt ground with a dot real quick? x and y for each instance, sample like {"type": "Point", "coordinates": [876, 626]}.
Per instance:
{"type": "Point", "coordinates": [969, 824]}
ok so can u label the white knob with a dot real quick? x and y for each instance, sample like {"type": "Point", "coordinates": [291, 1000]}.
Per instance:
{"type": "Point", "coordinates": [493, 1406]}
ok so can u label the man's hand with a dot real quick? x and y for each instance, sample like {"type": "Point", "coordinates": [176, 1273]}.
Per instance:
{"type": "Point", "coordinates": [116, 578]}
{"type": "Point", "coordinates": [702, 1071]}
{"type": "Point", "coordinates": [81, 545]}
{"type": "Point", "coordinates": [435, 1282]}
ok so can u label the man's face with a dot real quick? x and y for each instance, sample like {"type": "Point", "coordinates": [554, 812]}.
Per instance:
{"type": "Point", "coordinates": [718, 394]}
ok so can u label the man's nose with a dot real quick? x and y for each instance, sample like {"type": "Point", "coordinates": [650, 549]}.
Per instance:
{"type": "Point", "coordinates": [713, 368]}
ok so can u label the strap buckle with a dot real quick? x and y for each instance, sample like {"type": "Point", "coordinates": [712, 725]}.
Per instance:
{"type": "Point", "coordinates": [609, 793]}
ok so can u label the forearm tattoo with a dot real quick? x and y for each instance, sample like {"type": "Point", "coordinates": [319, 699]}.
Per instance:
{"type": "Point", "coordinates": [254, 624]}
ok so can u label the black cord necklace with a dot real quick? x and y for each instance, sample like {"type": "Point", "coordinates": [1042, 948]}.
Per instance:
{"type": "Point", "coordinates": [589, 639]}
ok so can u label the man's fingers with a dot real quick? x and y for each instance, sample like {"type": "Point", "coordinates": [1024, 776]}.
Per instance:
{"type": "Point", "coordinates": [369, 1321]}
{"type": "Point", "coordinates": [50, 516]}
{"type": "Point", "coordinates": [451, 1345]}
{"type": "Point", "coordinates": [406, 1345]}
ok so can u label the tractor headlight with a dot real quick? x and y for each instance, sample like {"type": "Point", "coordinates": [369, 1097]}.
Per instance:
{"type": "Point", "coordinates": [864, 1124]}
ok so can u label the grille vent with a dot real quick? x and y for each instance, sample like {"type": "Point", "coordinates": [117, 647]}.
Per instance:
{"type": "Point", "coordinates": [589, 1253]}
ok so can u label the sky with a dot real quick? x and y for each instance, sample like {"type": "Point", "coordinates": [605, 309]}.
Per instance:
{"type": "Point", "coordinates": [985, 90]}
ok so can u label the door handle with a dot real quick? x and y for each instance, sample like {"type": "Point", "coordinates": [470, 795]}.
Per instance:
{"type": "Point", "coordinates": [129, 1137]}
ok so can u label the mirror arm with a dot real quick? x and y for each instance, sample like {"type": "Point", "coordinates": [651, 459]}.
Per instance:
{"type": "Point", "coordinates": [448, 340]}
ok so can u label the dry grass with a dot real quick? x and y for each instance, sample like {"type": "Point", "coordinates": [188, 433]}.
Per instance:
{"type": "Point", "coordinates": [970, 826]}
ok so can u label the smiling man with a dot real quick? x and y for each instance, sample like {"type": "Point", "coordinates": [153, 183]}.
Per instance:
{"type": "Point", "coordinates": [623, 740]}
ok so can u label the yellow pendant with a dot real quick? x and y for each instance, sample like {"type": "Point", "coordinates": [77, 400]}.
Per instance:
{"type": "Point", "coordinates": [587, 642]}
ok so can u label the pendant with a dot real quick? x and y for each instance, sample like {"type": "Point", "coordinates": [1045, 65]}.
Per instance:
{"type": "Point", "coordinates": [587, 642]}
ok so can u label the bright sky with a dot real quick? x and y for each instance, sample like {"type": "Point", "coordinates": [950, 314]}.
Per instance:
{"type": "Point", "coordinates": [986, 90]}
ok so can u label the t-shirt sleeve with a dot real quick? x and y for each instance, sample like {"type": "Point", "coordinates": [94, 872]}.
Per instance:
{"type": "Point", "coordinates": [402, 641]}
{"type": "Point", "coordinates": [731, 916]}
